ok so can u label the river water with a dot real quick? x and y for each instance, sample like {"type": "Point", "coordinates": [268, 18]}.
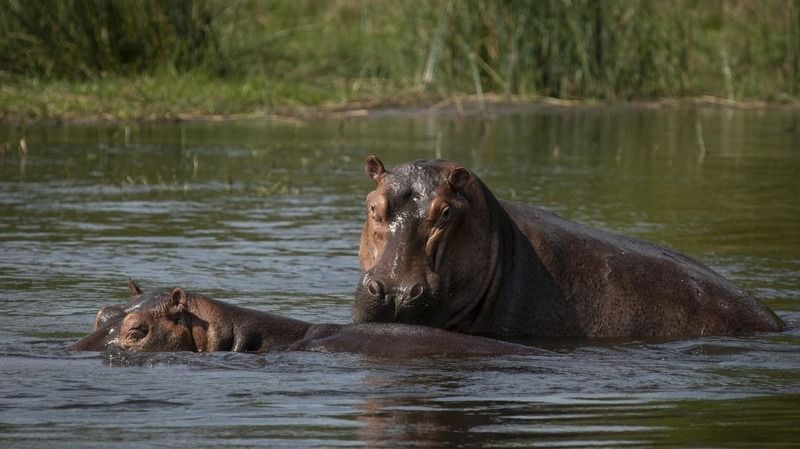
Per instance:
{"type": "Point", "coordinates": [268, 214]}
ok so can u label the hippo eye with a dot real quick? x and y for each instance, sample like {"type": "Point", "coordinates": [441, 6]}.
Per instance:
{"type": "Point", "coordinates": [445, 214]}
{"type": "Point", "coordinates": [137, 333]}
{"type": "Point", "coordinates": [373, 213]}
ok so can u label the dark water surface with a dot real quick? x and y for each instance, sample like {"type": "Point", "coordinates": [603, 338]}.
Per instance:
{"type": "Point", "coordinates": [268, 215]}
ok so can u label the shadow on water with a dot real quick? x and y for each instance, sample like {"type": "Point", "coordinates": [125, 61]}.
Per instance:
{"type": "Point", "coordinates": [267, 215]}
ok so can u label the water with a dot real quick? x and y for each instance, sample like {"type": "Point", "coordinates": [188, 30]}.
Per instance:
{"type": "Point", "coordinates": [268, 215]}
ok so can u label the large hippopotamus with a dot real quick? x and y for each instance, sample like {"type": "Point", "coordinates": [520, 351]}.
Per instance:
{"type": "Point", "coordinates": [171, 319]}
{"type": "Point", "coordinates": [439, 249]}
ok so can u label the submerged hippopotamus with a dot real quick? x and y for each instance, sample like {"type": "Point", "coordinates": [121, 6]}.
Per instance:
{"type": "Point", "coordinates": [171, 319]}
{"type": "Point", "coordinates": [439, 249]}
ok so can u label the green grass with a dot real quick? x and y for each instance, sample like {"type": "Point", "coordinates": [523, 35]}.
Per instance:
{"type": "Point", "coordinates": [134, 59]}
{"type": "Point", "coordinates": [156, 97]}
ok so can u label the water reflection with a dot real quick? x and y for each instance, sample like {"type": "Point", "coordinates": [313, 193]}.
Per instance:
{"type": "Point", "coordinates": [560, 420]}
{"type": "Point", "coordinates": [421, 422]}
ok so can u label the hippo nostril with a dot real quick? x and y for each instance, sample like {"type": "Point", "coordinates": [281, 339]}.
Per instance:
{"type": "Point", "coordinates": [416, 291]}
{"type": "Point", "coordinates": [375, 288]}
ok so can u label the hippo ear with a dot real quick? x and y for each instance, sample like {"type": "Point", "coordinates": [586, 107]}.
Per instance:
{"type": "Point", "coordinates": [373, 167]}
{"type": "Point", "coordinates": [458, 178]}
{"type": "Point", "coordinates": [133, 288]}
{"type": "Point", "coordinates": [177, 301]}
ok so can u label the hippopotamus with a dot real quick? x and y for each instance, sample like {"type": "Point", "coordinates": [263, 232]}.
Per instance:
{"type": "Point", "coordinates": [439, 249]}
{"type": "Point", "coordinates": [171, 319]}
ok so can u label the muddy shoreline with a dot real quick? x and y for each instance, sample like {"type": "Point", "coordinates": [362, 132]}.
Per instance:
{"type": "Point", "coordinates": [472, 105]}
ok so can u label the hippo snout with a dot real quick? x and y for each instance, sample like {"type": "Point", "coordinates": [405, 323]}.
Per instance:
{"type": "Point", "coordinates": [379, 300]}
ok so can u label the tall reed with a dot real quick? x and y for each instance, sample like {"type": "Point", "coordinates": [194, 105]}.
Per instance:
{"type": "Point", "coordinates": [562, 48]}
{"type": "Point", "coordinates": [92, 38]}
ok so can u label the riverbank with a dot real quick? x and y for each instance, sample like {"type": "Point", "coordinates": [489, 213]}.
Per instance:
{"type": "Point", "coordinates": [197, 98]}
{"type": "Point", "coordinates": [158, 60]}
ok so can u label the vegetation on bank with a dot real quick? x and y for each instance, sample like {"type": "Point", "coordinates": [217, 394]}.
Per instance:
{"type": "Point", "coordinates": [158, 59]}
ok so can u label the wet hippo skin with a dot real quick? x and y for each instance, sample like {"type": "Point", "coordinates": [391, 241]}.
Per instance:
{"type": "Point", "coordinates": [171, 319]}
{"type": "Point", "coordinates": [439, 249]}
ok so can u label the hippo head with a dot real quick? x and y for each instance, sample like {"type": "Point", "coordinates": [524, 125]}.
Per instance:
{"type": "Point", "coordinates": [160, 323]}
{"type": "Point", "coordinates": [157, 321]}
{"type": "Point", "coordinates": [419, 243]}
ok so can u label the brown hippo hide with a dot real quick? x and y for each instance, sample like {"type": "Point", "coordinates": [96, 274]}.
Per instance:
{"type": "Point", "coordinates": [111, 312]}
{"type": "Point", "coordinates": [439, 249]}
{"type": "Point", "coordinates": [173, 320]}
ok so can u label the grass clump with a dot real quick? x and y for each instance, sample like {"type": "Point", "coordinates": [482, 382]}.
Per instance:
{"type": "Point", "coordinates": [162, 58]}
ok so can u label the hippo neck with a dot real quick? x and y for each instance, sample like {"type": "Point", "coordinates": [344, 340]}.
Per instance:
{"type": "Point", "coordinates": [217, 326]}
{"type": "Point", "coordinates": [519, 285]}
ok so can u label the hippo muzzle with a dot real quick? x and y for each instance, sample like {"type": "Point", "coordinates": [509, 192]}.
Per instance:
{"type": "Point", "coordinates": [381, 299]}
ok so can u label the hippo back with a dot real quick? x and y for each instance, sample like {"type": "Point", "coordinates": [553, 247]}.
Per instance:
{"type": "Point", "coordinates": [628, 287]}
